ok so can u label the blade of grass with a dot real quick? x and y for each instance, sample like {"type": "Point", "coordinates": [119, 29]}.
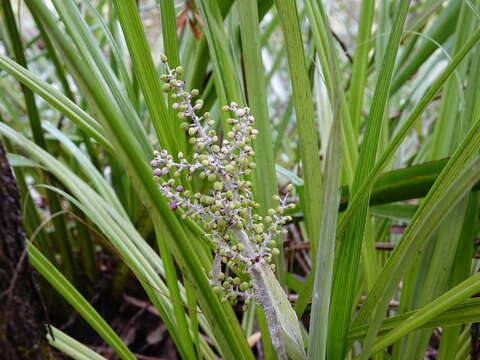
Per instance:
{"type": "Point", "coordinates": [56, 99]}
{"type": "Point", "coordinates": [462, 268]}
{"type": "Point", "coordinates": [462, 313]}
{"type": "Point", "coordinates": [71, 294]}
{"type": "Point", "coordinates": [171, 49]}
{"type": "Point", "coordinates": [171, 276]}
{"type": "Point", "coordinates": [395, 142]}
{"type": "Point", "coordinates": [348, 255]}
{"type": "Point", "coordinates": [454, 296]}
{"type": "Point", "coordinates": [330, 73]}
{"type": "Point", "coordinates": [325, 50]}
{"type": "Point", "coordinates": [90, 69]}
{"type": "Point", "coordinates": [257, 100]}
{"type": "Point", "coordinates": [441, 198]}
{"type": "Point", "coordinates": [436, 263]}
{"type": "Point", "coordinates": [227, 82]}
{"type": "Point", "coordinates": [114, 48]}
{"type": "Point", "coordinates": [304, 110]}
{"type": "Point", "coordinates": [166, 130]}
{"type": "Point", "coordinates": [442, 28]}
{"type": "Point", "coordinates": [70, 346]}
{"type": "Point", "coordinates": [460, 271]}
{"type": "Point", "coordinates": [360, 62]}
{"type": "Point", "coordinates": [169, 31]}
{"type": "Point", "coordinates": [326, 249]}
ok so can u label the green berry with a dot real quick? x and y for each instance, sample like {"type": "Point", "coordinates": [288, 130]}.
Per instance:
{"type": "Point", "coordinates": [258, 228]}
{"type": "Point", "coordinates": [244, 286]}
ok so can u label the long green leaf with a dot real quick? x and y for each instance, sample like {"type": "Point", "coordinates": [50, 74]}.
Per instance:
{"type": "Point", "coordinates": [70, 346]}
{"type": "Point", "coordinates": [56, 99]}
{"type": "Point", "coordinates": [146, 74]}
{"type": "Point", "coordinates": [326, 248]}
{"type": "Point", "coordinates": [440, 199]}
{"type": "Point", "coordinates": [395, 142]}
{"type": "Point", "coordinates": [454, 296]}
{"type": "Point", "coordinates": [348, 255]}
{"type": "Point", "coordinates": [360, 62]}
{"type": "Point", "coordinates": [303, 102]}
{"type": "Point", "coordinates": [464, 312]}
{"type": "Point", "coordinates": [68, 291]}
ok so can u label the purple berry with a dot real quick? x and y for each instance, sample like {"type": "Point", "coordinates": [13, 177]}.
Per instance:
{"type": "Point", "coordinates": [173, 205]}
{"type": "Point", "coordinates": [180, 189]}
{"type": "Point", "coordinates": [157, 172]}
{"type": "Point", "coordinates": [154, 163]}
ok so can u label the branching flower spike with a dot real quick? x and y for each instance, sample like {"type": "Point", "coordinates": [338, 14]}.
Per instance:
{"type": "Point", "coordinates": [244, 241]}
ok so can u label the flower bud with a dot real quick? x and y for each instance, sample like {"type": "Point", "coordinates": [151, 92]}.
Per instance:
{"type": "Point", "coordinates": [218, 186]}
{"type": "Point", "coordinates": [244, 286]}
{"type": "Point", "coordinates": [240, 112]}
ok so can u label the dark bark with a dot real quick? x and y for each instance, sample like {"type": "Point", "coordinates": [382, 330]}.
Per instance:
{"type": "Point", "coordinates": [22, 322]}
{"type": "Point", "coordinates": [474, 340]}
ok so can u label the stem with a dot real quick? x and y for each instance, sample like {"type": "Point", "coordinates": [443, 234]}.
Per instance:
{"type": "Point", "coordinates": [258, 273]}
{"type": "Point", "coordinates": [283, 324]}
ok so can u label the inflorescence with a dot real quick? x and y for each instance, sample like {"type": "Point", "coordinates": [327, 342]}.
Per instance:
{"type": "Point", "coordinates": [227, 212]}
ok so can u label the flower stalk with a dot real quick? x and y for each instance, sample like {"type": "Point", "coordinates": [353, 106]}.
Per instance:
{"type": "Point", "coordinates": [243, 241]}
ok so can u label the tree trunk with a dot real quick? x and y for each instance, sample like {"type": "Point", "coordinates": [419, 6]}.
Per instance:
{"type": "Point", "coordinates": [22, 322]}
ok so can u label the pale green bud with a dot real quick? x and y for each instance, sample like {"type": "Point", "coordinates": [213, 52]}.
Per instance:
{"type": "Point", "coordinates": [218, 186]}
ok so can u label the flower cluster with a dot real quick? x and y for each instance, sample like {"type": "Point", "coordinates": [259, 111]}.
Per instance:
{"type": "Point", "coordinates": [227, 211]}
